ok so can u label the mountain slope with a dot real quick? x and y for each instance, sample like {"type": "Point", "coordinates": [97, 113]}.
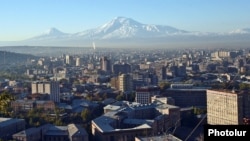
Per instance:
{"type": "Point", "coordinates": [51, 34]}
{"type": "Point", "coordinates": [14, 58]}
{"type": "Point", "coordinates": [120, 28]}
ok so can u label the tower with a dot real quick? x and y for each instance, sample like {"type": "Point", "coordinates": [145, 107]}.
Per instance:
{"type": "Point", "coordinates": [69, 59]}
{"type": "Point", "coordinates": [78, 61]}
{"type": "Point", "coordinates": [105, 64]}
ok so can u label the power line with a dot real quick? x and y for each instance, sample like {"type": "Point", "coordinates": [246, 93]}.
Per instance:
{"type": "Point", "coordinates": [195, 127]}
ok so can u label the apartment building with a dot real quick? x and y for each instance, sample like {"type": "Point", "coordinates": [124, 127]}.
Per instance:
{"type": "Point", "coordinates": [48, 87]}
{"type": "Point", "coordinates": [227, 107]}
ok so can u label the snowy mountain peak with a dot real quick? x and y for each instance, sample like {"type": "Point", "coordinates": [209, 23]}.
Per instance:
{"type": "Point", "coordinates": [50, 34]}
{"type": "Point", "coordinates": [119, 22]}
{"type": "Point", "coordinates": [53, 31]}
{"type": "Point", "coordinates": [124, 20]}
{"type": "Point", "coordinates": [127, 29]}
{"type": "Point", "coordinates": [241, 31]}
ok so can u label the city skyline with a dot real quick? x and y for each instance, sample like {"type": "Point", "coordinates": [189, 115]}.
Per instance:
{"type": "Point", "coordinates": [25, 19]}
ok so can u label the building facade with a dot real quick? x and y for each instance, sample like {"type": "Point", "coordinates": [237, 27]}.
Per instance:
{"type": "Point", "coordinates": [48, 132]}
{"type": "Point", "coordinates": [121, 68]}
{"type": "Point", "coordinates": [187, 95]}
{"type": "Point", "coordinates": [105, 64]}
{"type": "Point", "coordinates": [227, 107]}
{"type": "Point", "coordinates": [26, 105]}
{"type": "Point", "coordinates": [143, 94]}
{"type": "Point", "coordinates": [125, 83]}
{"type": "Point", "coordinates": [49, 87]}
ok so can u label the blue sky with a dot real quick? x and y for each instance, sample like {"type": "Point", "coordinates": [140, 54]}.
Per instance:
{"type": "Point", "coordinates": [22, 19]}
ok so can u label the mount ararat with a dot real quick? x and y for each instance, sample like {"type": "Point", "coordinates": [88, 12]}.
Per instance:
{"type": "Point", "coordinates": [126, 32]}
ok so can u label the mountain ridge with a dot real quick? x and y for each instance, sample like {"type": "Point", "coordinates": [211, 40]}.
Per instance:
{"type": "Point", "coordinates": [122, 30]}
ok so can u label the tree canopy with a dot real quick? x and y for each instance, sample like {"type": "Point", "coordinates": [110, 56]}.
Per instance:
{"type": "Point", "coordinates": [5, 103]}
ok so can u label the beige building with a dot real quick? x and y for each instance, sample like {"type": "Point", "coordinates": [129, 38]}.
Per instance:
{"type": "Point", "coordinates": [227, 107]}
{"type": "Point", "coordinates": [125, 83]}
{"type": "Point", "coordinates": [52, 88]}
{"type": "Point", "coordinates": [69, 59]}
{"type": "Point", "coordinates": [78, 61]}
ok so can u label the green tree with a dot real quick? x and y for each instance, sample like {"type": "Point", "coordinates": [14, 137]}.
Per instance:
{"type": "Point", "coordinates": [5, 103]}
{"type": "Point", "coordinates": [164, 85]}
{"type": "Point", "coordinates": [85, 114]}
{"type": "Point", "coordinates": [31, 121]}
{"type": "Point", "coordinates": [119, 97]}
{"type": "Point", "coordinates": [58, 122]}
{"type": "Point", "coordinates": [244, 86]}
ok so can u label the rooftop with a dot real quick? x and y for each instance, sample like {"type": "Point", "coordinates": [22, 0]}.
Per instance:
{"type": "Point", "coordinates": [138, 121]}
{"type": "Point", "coordinates": [112, 107]}
{"type": "Point", "coordinates": [27, 132]}
{"type": "Point", "coordinates": [57, 130]}
{"type": "Point", "coordinates": [225, 91]}
{"type": "Point", "coordinates": [167, 106]}
{"type": "Point", "coordinates": [168, 137]}
{"type": "Point", "coordinates": [7, 121]}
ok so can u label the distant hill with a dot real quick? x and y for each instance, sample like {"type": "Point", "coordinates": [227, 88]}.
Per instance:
{"type": "Point", "coordinates": [14, 58]}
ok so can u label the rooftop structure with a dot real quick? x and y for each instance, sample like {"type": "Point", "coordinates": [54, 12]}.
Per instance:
{"type": "Point", "coordinates": [126, 122]}
{"type": "Point", "coordinates": [50, 132]}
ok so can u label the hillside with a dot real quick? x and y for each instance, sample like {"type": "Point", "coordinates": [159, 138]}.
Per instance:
{"type": "Point", "coordinates": [7, 57]}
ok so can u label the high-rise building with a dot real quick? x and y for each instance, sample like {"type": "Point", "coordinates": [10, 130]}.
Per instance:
{"type": "Point", "coordinates": [227, 107]}
{"type": "Point", "coordinates": [51, 88]}
{"type": "Point", "coordinates": [125, 83]}
{"type": "Point", "coordinates": [78, 61]}
{"type": "Point", "coordinates": [143, 94]}
{"type": "Point", "coordinates": [121, 68]}
{"type": "Point", "coordinates": [161, 72]}
{"type": "Point", "coordinates": [105, 64]}
{"type": "Point", "coordinates": [69, 60]}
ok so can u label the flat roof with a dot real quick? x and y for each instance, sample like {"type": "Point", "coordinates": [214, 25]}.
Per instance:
{"type": "Point", "coordinates": [168, 137]}
{"type": "Point", "coordinates": [193, 89]}
{"type": "Point", "coordinates": [137, 121]}
{"type": "Point", "coordinates": [7, 121]}
{"type": "Point", "coordinates": [57, 130]}
{"type": "Point", "coordinates": [27, 132]}
{"type": "Point", "coordinates": [112, 107]}
{"type": "Point", "coordinates": [167, 106]}
{"type": "Point", "coordinates": [224, 91]}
